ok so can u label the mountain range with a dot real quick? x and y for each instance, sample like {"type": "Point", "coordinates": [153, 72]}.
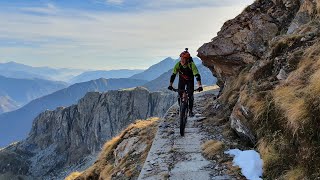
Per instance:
{"type": "Point", "coordinates": [67, 138]}
{"type": "Point", "coordinates": [158, 69]}
{"type": "Point", "coordinates": [21, 71]}
{"type": "Point", "coordinates": [91, 75]}
{"type": "Point", "coordinates": [18, 92]}
{"type": "Point", "coordinates": [15, 125]}
{"type": "Point", "coordinates": [6, 104]}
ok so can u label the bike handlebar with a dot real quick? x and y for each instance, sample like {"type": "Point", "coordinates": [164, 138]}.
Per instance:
{"type": "Point", "coordinates": [177, 90]}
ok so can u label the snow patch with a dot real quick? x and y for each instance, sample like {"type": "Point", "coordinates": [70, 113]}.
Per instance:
{"type": "Point", "coordinates": [249, 161]}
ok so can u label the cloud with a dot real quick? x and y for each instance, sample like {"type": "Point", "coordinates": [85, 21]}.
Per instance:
{"type": "Point", "coordinates": [116, 2]}
{"type": "Point", "coordinates": [105, 40]}
{"type": "Point", "coordinates": [48, 8]}
{"type": "Point", "coordinates": [172, 4]}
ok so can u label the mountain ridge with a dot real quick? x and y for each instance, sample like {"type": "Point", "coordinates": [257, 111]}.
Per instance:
{"type": "Point", "coordinates": [108, 74]}
{"type": "Point", "coordinates": [22, 91]}
{"type": "Point", "coordinates": [16, 124]}
{"type": "Point", "coordinates": [65, 137]}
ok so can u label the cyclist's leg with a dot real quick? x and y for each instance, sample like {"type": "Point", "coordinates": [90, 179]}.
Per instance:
{"type": "Point", "coordinates": [190, 88]}
{"type": "Point", "coordinates": [181, 87]}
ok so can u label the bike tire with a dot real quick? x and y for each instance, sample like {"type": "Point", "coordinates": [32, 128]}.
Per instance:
{"type": "Point", "coordinates": [183, 116]}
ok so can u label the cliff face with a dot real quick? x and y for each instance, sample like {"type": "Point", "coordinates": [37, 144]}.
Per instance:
{"type": "Point", "coordinates": [124, 155]}
{"type": "Point", "coordinates": [15, 126]}
{"type": "Point", "coordinates": [68, 136]}
{"type": "Point", "coordinates": [246, 38]}
{"type": "Point", "coordinates": [266, 62]}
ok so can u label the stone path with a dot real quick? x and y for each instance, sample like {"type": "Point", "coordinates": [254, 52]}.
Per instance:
{"type": "Point", "coordinates": [175, 157]}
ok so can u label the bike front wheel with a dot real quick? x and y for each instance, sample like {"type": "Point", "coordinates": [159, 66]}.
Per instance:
{"type": "Point", "coordinates": [183, 117]}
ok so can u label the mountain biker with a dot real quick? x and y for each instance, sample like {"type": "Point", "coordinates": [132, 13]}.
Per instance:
{"type": "Point", "coordinates": [187, 71]}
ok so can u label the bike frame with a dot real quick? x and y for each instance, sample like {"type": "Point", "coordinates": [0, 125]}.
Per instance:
{"type": "Point", "coordinates": [184, 108]}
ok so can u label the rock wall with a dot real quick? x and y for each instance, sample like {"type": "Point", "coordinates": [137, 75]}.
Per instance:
{"type": "Point", "coordinates": [256, 40]}
{"type": "Point", "coordinates": [266, 62]}
{"type": "Point", "coordinates": [246, 38]}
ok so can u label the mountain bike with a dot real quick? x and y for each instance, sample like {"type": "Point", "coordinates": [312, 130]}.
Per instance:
{"type": "Point", "coordinates": [184, 108]}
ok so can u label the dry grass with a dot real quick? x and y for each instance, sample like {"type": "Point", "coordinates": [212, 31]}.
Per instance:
{"type": "Point", "coordinates": [213, 121]}
{"type": "Point", "coordinates": [295, 174]}
{"type": "Point", "coordinates": [109, 147]}
{"type": "Point", "coordinates": [308, 7]}
{"type": "Point", "coordinates": [105, 173]}
{"type": "Point", "coordinates": [314, 85]}
{"type": "Point", "coordinates": [278, 155]}
{"type": "Point", "coordinates": [212, 148]}
{"type": "Point", "coordinates": [230, 93]}
{"type": "Point", "coordinates": [105, 168]}
{"type": "Point", "coordinates": [293, 139]}
{"type": "Point", "coordinates": [301, 90]}
{"type": "Point", "coordinates": [289, 100]}
{"type": "Point", "coordinates": [318, 7]}
{"type": "Point", "coordinates": [73, 176]}
{"type": "Point", "coordinates": [257, 106]}
{"type": "Point", "coordinates": [283, 43]}
{"type": "Point", "coordinates": [262, 116]}
{"type": "Point", "coordinates": [227, 132]}
{"type": "Point", "coordinates": [233, 170]}
{"type": "Point", "coordinates": [268, 153]}
{"type": "Point", "coordinates": [286, 119]}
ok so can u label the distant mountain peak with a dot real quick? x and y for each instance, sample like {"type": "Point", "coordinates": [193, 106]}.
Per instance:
{"type": "Point", "coordinates": [10, 62]}
{"type": "Point", "coordinates": [169, 58]}
{"type": "Point", "coordinates": [156, 70]}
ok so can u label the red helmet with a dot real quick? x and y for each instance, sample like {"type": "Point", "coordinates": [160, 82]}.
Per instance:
{"type": "Point", "coordinates": [185, 54]}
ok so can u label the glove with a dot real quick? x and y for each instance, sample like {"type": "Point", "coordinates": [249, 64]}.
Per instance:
{"type": "Point", "coordinates": [170, 88]}
{"type": "Point", "coordinates": [200, 89]}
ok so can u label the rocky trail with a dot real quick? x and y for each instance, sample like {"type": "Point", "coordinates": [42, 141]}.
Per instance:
{"type": "Point", "coordinates": [175, 157]}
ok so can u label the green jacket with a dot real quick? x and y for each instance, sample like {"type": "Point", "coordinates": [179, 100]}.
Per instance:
{"type": "Point", "coordinates": [186, 72]}
{"type": "Point", "coordinates": [190, 65]}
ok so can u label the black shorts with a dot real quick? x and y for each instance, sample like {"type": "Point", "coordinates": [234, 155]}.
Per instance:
{"type": "Point", "coordinates": [186, 84]}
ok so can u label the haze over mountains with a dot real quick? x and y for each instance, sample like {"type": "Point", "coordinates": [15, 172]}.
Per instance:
{"type": "Point", "coordinates": [6, 104]}
{"type": "Point", "coordinates": [21, 71]}
{"type": "Point", "coordinates": [158, 69]}
{"type": "Point", "coordinates": [16, 124]}
{"type": "Point", "coordinates": [155, 70]}
{"type": "Point", "coordinates": [90, 75]}
{"type": "Point", "coordinates": [65, 138]}
{"type": "Point", "coordinates": [18, 92]}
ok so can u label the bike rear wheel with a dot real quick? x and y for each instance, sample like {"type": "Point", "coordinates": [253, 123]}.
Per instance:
{"type": "Point", "coordinates": [183, 117]}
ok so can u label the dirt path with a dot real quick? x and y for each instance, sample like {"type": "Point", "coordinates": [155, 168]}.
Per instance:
{"type": "Point", "coordinates": [174, 157]}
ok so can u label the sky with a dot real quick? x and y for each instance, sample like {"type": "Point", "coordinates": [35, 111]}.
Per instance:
{"type": "Point", "coordinates": [108, 34]}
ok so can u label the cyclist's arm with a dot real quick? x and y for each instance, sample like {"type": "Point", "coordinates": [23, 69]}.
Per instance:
{"type": "Point", "coordinates": [174, 73]}
{"type": "Point", "coordinates": [196, 73]}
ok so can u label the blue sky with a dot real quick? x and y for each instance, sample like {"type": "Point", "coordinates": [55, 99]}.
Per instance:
{"type": "Point", "coordinates": [108, 34]}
